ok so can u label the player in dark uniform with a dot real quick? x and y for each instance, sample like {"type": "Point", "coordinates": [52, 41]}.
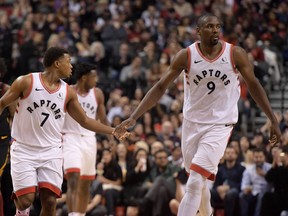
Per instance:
{"type": "Point", "coordinates": [5, 138]}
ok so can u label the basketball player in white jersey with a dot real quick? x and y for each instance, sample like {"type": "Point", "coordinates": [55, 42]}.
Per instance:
{"type": "Point", "coordinates": [36, 154]}
{"type": "Point", "coordinates": [211, 68]}
{"type": "Point", "coordinates": [79, 144]}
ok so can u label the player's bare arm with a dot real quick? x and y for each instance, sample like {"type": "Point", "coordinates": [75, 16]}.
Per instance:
{"type": "Point", "coordinates": [19, 89]}
{"type": "Point", "coordinates": [256, 90]}
{"type": "Point", "coordinates": [101, 110]}
{"type": "Point", "coordinates": [101, 113]}
{"type": "Point", "coordinates": [179, 63]}
{"type": "Point", "coordinates": [11, 107]}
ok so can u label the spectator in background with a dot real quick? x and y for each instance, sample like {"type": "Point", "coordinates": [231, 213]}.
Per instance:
{"type": "Point", "coordinates": [161, 186]}
{"type": "Point", "coordinates": [254, 185]}
{"type": "Point", "coordinates": [109, 173]}
{"type": "Point", "coordinates": [137, 173]}
{"type": "Point", "coordinates": [121, 58]}
{"type": "Point", "coordinates": [227, 185]}
{"type": "Point", "coordinates": [284, 121]}
{"type": "Point", "coordinates": [133, 76]}
{"type": "Point", "coordinates": [123, 159]}
{"type": "Point", "coordinates": [95, 206]}
{"type": "Point", "coordinates": [31, 53]}
{"type": "Point", "coordinates": [276, 202]}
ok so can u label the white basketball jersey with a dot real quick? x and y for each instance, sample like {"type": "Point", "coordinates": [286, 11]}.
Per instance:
{"type": "Point", "coordinates": [212, 87]}
{"type": "Point", "coordinates": [39, 116]}
{"type": "Point", "coordinates": [89, 104]}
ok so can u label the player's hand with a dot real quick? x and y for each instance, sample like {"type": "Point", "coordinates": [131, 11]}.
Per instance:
{"type": "Point", "coordinates": [121, 130]}
{"type": "Point", "coordinates": [275, 134]}
{"type": "Point", "coordinates": [121, 136]}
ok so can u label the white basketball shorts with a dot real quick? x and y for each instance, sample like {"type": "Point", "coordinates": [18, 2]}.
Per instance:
{"type": "Point", "coordinates": [203, 146]}
{"type": "Point", "coordinates": [33, 167]}
{"type": "Point", "coordinates": [80, 155]}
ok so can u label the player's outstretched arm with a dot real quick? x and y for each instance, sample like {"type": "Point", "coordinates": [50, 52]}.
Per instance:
{"type": "Point", "coordinates": [78, 114]}
{"type": "Point", "coordinates": [19, 88]}
{"type": "Point", "coordinates": [256, 90]}
{"type": "Point", "coordinates": [179, 63]}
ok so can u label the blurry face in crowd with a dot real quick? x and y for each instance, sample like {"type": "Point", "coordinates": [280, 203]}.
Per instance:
{"type": "Point", "coordinates": [121, 150]}
{"type": "Point", "coordinates": [106, 157]}
{"type": "Point", "coordinates": [156, 146]}
{"type": "Point", "coordinates": [141, 154]}
{"type": "Point", "coordinates": [161, 159]}
{"type": "Point", "coordinates": [230, 154]}
{"type": "Point", "coordinates": [244, 143]}
{"type": "Point", "coordinates": [259, 158]}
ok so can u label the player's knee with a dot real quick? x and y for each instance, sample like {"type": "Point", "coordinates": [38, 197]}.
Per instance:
{"type": "Point", "coordinates": [195, 182]}
{"type": "Point", "coordinates": [24, 202]}
{"type": "Point", "coordinates": [49, 203]}
{"type": "Point", "coordinates": [73, 179]}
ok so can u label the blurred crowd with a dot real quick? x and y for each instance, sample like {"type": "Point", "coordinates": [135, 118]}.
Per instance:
{"type": "Point", "coordinates": [132, 42]}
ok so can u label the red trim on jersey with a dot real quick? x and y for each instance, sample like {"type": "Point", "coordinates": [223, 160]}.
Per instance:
{"type": "Point", "coordinates": [51, 187]}
{"type": "Point", "coordinates": [66, 98]}
{"type": "Point", "coordinates": [203, 172]}
{"type": "Point", "coordinates": [24, 191]}
{"type": "Point", "coordinates": [211, 60]}
{"type": "Point", "coordinates": [189, 58]}
{"type": "Point", "coordinates": [72, 170]}
{"type": "Point", "coordinates": [45, 87]}
{"type": "Point", "coordinates": [30, 87]}
{"type": "Point", "coordinates": [87, 177]}
{"type": "Point", "coordinates": [232, 59]}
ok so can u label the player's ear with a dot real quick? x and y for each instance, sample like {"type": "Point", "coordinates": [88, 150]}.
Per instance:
{"type": "Point", "coordinates": [56, 64]}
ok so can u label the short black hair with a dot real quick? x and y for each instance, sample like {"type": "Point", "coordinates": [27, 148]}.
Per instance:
{"type": "Point", "coordinates": [83, 68]}
{"type": "Point", "coordinates": [202, 19]}
{"type": "Point", "coordinates": [53, 54]}
{"type": "Point", "coordinates": [3, 67]}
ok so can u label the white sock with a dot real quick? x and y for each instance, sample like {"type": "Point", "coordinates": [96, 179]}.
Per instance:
{"type": "Point", "coordinates": [25, 212]}
{"type": "Point", "coordinates": [191, 201]}
{"type": "Point", "coordinates": [205, 206]}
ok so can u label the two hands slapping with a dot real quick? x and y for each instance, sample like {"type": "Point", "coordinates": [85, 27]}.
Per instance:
{"type": "Point", "coordinates": [121, 131]}
{"type": "Point", "coordinates": [275, 134]}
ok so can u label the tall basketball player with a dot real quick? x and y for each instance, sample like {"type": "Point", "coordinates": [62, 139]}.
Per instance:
{"type": "Point", "coordinates": [211, 68]}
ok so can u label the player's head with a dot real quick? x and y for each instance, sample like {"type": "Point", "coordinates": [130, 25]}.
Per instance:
{"type": "Point", "coordinates": [3, 68]}
{"type": "Point", "coordinates": [58, 58]}
{"type": "Point", "coordinates": [87, 73]}
{"type": "Point", "coordinates": [208, 28]}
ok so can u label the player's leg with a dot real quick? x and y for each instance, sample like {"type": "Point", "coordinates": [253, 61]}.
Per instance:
{"type": "Point", "coordinates": [72, 189]}
{"type": "Point", "coordinates": [48, 202]}
{"type": "Point", "coordinates": [23, 203]}
{"type": "Point", "coordinates": [50, 179]}
{"type": "Point", "coordinates": [24, 177]}
{"type": "Point", "coordinates": [203, 164]}
{"type": "Point", "coordinates": [190, 202]}
{"type": "Point", "coordinates": [205, 206]}
{"type": "Point", "coordinates": [83, 195]}
{"type": "Point", "coordinates": [88, 172]}
{"type": "Point", "coordinates": [72, 164]}
{"type": "Point", "coordinates": [212, 147]}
